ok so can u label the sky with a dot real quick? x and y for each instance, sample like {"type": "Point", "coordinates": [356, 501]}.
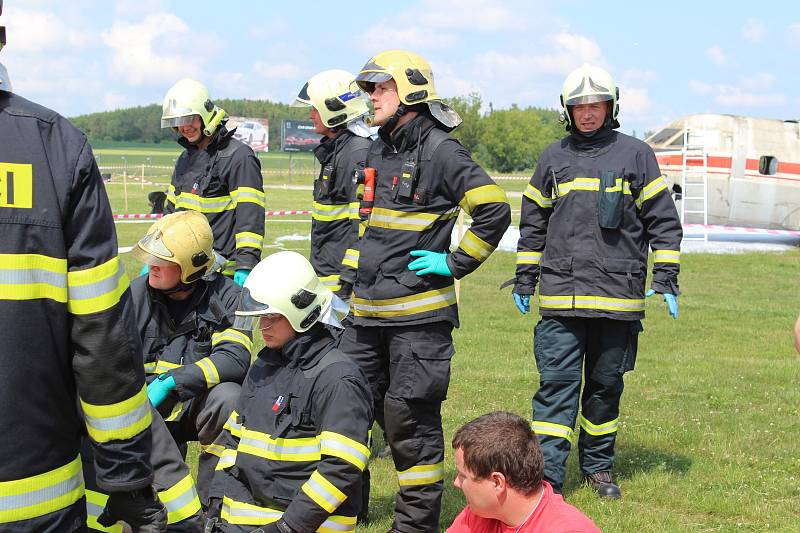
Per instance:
{"type": "Point", "coordinates": [669, 59]}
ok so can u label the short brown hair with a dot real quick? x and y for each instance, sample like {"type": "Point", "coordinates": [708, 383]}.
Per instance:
{"type": "Point", "coordinates": [502, 442]}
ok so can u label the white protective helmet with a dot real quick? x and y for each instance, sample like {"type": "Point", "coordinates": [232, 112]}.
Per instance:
{"type": "Point", "coordinates": [329, 92]}
{"type": "Point", "coordinates": [185, 100]}
{"type": "Point", "coordinates": [285, 283]}
{"type": "Point", "coordinates": [588, 84]}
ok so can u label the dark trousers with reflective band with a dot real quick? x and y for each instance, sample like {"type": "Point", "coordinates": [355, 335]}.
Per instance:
{"type": "Point", "coordinates": [172, 480]}
{"type": "Point", "coordinates": [599, 350]}
{"type": "Point", "coordinates": [71, 519]}
{"type": "Point", "coordinates": [408, 368]}
{"type": "Point", "coordinates": [202, 421]}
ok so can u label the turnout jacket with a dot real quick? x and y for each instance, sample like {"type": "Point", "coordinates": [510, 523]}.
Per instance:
{"type": "Point", "coordinates": [200, 349]}
{"type": "Point", "coordinates": [223, 182]}
{"type": "Point", "coordinates": [297, 444]}
{"type": "Point", "coordinates": [424, 177]}
{"type": "Point", "coordinates": [335, 220]}
{"type": "Point", "coordinates": [584, 269]}
{"type": "Point", "coordinates": [69, 342]}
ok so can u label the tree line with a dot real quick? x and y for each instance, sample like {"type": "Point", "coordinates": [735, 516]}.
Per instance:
{"type": "Point", "coordinates": [504, 140]}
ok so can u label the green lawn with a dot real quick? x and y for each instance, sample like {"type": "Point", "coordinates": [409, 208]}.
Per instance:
{"type": "Point", "coordinates": [709, 417]}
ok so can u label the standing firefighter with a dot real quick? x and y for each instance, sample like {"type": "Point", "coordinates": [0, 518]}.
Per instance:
{"type": "Point", "coordinates": [337, 113]}
{"type": "Point", "coordinates": [594, 205]}
{"type": "Point", "coordinates": [216, 175]}
{"type": "Point", "coordinates": [404, 299]}
{"type": "Point", "coordinates": [194, 358]}
{"type": "Point", "coordinates": [295, 449]}
{"type": "Point", "coordinates": [71, 359]}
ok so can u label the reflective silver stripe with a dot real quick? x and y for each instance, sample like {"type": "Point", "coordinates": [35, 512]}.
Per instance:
{"type": "Point", "coordinates": [42, 495]}
{"type": "Point", "coordinates": [116, 423]}
{"type": "Point", "coordinates": [342, 447]}
{"type": "Point", "coordinates": [184, 499]}
{"type": "Point", "coordinates": [323, 492]}
{"type": "Point", "coordinates": [236, 511]}
{"type": "Point", "coordinates": [33, 275]}
{"type": "Point", "coordinates": [273, 448]}
{"type": "Point", "coordinates": [98, 288]}
{"type": "Point", "coordinates": [446, 297]}
{"type": "Point", "coordinates": [198, 203]}
{"type": "Point", "coordinates": [330, 212]}
{"type": "Point", "coordinates": [248, 195]}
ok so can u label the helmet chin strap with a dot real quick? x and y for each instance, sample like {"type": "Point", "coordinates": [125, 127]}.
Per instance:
{"type": "Point", "coordinates": [392, 122]}
{"type": "Point", "coordinates": [180, 287]}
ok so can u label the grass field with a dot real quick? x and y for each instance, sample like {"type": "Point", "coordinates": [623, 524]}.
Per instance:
{"type": "Point", "coordinates": [708, 439]}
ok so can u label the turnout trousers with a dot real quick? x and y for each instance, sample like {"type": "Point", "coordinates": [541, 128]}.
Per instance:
{"type": "Point", "coordinates": [408, 368]}
{"type": "Point", "coordinates": [570, 351]}
{"type": "Point", "coordinates": [172, 481]}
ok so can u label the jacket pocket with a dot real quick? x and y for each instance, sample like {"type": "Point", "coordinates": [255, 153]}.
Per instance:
{"type": "Point", "coordinates": [632, 347]}
{"type": "Point", "coordinates": [556, 280]}
{"type": "Point", "coordinates": [626, 275]}
{"type": "Point", "coordinates": [610, 199]}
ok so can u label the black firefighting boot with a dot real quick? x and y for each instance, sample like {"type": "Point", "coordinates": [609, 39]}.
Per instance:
{"type": "Point", "coordinates": [603, 485]}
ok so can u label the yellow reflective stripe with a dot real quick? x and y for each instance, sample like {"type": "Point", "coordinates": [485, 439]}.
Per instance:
{"type": "Point", "coordinates": [331, 212]}
{"type": "Point", "coordinates": [248, 239]}
{"type": "Point", "coordinates": [332, 282]}
{"type": "Point", "coordinates": [535, 195]}
{"type": "Point", "coordinates": [33, 276]}
{"type": "Point", "coordinates": [233, 427]}
{"type": "Point", "coordinates": [96, 289]}
{"type": "Point", "coordinates": [240, 513]}
{"type": "Point", "coordinates": [406, 305]}
{"type": "Point", "coordinates": [209, 371]}
{"type": "Point", "coordinates": [118, 421]}
{"type": "Point", "coordinates": [485, 194]}
{"type": "Point", "coordinates": [181, 500]}
{"type": "Point", "coordinates": [230, 267]}
{"type": "Point", "coordinates": [554, 430]}
{"type": "Point", "coordinates": [232, 335]}
{"type": "Point", "coordinates": [529, 258]}
{"type": "Point", "coordinates": [159, 367]}
{"type": "Point", "coordinates": [591, 184]}
{"type": "Point", "coordinates": [476, 247]}
{"type": "Point", "coordinates": [213, 449]}
{"type": "Point", "coordinates": [599, 429]}
{"type": "Point", "coordinates": [195, 202]}
{"type": "Point", "coordinates": [262, 445]}
{"type": "Point", "coordinates": [244, 195]}
{"type": "Point", "coordinates": [407, 221]}
{"type": "Point", "coordinates": [421, 475]}
{"type": "Point", "coordinates": [95, 503]}
{"type": "Point", "coordinates": [226, 460]}
{"type": "Point", "coordinates": [362, 227]}
{"type": "Point", "coordinates": [651, 189]}
{"type": "Point", "coordinates": [22, 499]}
{"type": "Point", "coordinates": [337, 445]}
{"type": "Point", "coordinates": [323, 492]}
{"type": "Point", "coordinates": [667, 256]}
{"type": "Point", "coordinates": [591, 302]}
{"type": "Point", "coordinates": [351, 258]}
{"type": "Point", "coordinates": [176, 411]}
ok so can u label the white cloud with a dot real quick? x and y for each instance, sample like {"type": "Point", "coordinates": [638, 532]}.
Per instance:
{"type": "Point", "coordinates": [388, 35]}
{"type": "Point", "coordinates": [115, 100]}
{"type": "Point", "coordinates": [635, 101]}
{"type": "Point", "coordinates": [758, 82]}
{"type": "Point", "coordinates": [754, 30]}
{"type": "Point", "coordinates": [748, 93]}
{"type": "Point", "coordinates": [717, 55]}
{"type": "Point", "coordinates": [154, 51]}
{"type": "Point", "coordinates": [34, 31]}
{"type": "Point", "coordinates": [472, 15]}
{"type": "Point", "coordinates": [793, 34]}
{"type": "Point", "coordinates": [700, 87]}
{"type": "Point", "coordinates": [637, 76]}
{"type": "Point", "coordinates": [279, 71]}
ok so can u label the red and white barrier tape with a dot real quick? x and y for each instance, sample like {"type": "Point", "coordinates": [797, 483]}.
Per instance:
{"type": "Point", "coordinates": [281, 213]}
{"type": "Point", "coordinates": [699, 228]}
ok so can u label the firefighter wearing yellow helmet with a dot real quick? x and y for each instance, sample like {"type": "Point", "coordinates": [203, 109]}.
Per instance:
{"type": "Point", "coordinates": [304, 401]}
{"type": "Point", "coordinates": [216, 175]}
{"type": "Point", "coordinates": [404, 299]}
{"type": "Point", "coordinates": [195, 360]}
{"type": "Point", "coordinates": [594, 207]}
{"type": "Point", "coordinates": [337, 110]}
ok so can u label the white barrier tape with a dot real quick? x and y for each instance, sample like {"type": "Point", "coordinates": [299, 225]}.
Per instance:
{"type": "Point", "coordinates": [698, 228]}
{"type": "Point", "coordinates": [281, 213]}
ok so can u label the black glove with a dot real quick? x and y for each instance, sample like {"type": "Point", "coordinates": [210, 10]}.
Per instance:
{"type": "Point", "coordinates": [141, 509]}
{"type": "Point", "coordinates": [345, 291]}
{"type": "Point", "coordinates": [276, 527]}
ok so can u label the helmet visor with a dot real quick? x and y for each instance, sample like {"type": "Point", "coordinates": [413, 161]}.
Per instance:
{"type": "Point", "coordinates": [367, 79]}
{"type": "Point", "coordinates": [174, 122]}
{"type": "Point", "coordinates": [302, 99]}
{"type": "Point", "coordinates": [149, 259]}
{"type": "Point", "coordinates": [249, 306]}
{"type": "Point", "coordinates": [153, 243]}
{"type": "Point", "coordinates": [256, 322]}
{"type": "Point", "coordinates": [588, 99]}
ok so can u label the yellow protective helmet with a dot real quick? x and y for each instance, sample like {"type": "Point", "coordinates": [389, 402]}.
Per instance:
{"type": "Point", "coordinates": [184, 239]}
{"type": "Point", "coordinates": [284, 283]}
{"type": "Point", "coordinates": [588, 84]}
{"type": "Point", "coordinates": [329, 92]}
{"type": "Point", "coordinates": [414, 79]}
{"type": "Point", "coordinates": [186, 99]}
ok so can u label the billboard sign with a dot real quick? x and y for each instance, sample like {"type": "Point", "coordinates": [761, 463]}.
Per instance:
{"type": "Point", "coordinates": [299, 136]}
{"type": "Point", "coordinates": [254, 132]}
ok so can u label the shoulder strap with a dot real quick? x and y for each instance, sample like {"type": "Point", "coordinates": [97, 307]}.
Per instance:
{"type": "Point", "coordinates": [431, 142]}
{"type": "Point", "coordinates": [333, 356]}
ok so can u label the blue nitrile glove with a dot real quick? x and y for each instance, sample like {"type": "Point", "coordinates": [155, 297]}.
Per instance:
{"type": "Point", "coordinates": [429, 262]}
{"type": "Point", "coordinates": [671, 299]}
{"type": "Point", "coordinates": [158, 389]}
{"type": "Point", "coordinates": [522, 301]}
{"type": "Point", "coordinates": [145, 269]}
{"type": "Point", "coordinates": [240, 275]}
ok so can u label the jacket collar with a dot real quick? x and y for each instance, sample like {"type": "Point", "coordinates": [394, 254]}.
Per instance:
{"type": "Point", "coordinates": [304, 350]}
{"type": "Point", "coordinates": [219, 140]}
{"type": "Point", "coordinates": [406, 137]}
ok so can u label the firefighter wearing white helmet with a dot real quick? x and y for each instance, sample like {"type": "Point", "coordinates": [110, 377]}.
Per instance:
{"type": "Point", "coordinates": [594, 207]}
{"type": "Point", "coordinates": [216, 175]}
{"type": "Point", "coordinates": [338, 110]}
{"type": "Point", "coordinates": [300, 394]}
{"type": "Point", "coordinates": [404, 299]}
{"type": "Point", "coordinates": [194, 358]}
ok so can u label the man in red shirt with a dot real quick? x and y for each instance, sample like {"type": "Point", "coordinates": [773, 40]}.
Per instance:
{"type": "Point", "coordinates": [500, 471]}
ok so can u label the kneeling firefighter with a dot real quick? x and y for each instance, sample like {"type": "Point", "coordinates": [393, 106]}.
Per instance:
{"type": "Point", "coordinates": [296, 446]}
